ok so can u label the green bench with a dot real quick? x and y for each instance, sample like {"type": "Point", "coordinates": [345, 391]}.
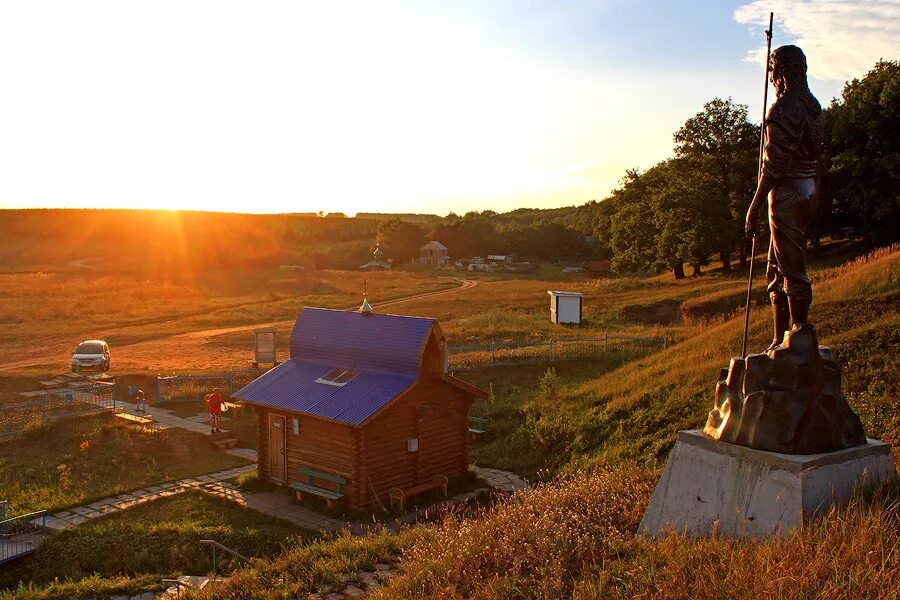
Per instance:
{"type": "Point", "coordinates": [477, 427]}
{"type": "Point", "coordinates": [307, 486]}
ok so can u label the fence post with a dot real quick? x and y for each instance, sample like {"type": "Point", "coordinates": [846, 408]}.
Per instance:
{"type": "Point", "coordinates": [606, 342]}
{"type": "Point", "coordinates": [551, 350]}
{"type": "Point", "coordinates": [43, 408]}
{"type": "Point", "coordinates": [158, 399]}
{"type": "Point", "coordinates": [115, 394]}
{"type": "Point", "coordinates": [492, 355]}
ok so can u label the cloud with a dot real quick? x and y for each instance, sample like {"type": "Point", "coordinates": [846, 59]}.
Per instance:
{"type": "Point", "coordinates": [842, 39]}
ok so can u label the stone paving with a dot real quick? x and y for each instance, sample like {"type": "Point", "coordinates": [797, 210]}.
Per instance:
{"type": "Point", "coordinates": [164, 419]}
{"type": "Point", "coordinates": [274, 504]}
{"type": "Point", "coordinates": [501, 480]}
{"type": "Point", "coordinates": [144, 596]}
{"type": "Point", "coordinates": [81, 514]}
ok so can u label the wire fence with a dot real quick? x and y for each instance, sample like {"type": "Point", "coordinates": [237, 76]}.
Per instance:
{"type": "Point", "coordinates": [86, 398]}
{"type": "Point", "coordinates": [526, 352]}
{"type": "Point", "coordinates": [20, 536]}
{"type": "Point", "coordinates": [175, 388]}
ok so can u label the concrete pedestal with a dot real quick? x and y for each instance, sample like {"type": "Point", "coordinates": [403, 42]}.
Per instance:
{"type": "Point", "coordinates": [740, 492]}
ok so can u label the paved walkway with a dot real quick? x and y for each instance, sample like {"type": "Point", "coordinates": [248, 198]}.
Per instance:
{"type": "Point", "coordinates": [81, 514]}
{"type": "Point", "coordinates": [275, 504]}
{"type": "Point", "coordinates": [501, 480]}
{"type": "Point", "coordinates": [164, 419]}
{"type": "Point", "coordinates": [281, 506]}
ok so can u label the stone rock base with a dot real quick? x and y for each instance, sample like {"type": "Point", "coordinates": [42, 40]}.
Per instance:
{"type": "Point", "coordinates": [712, 488]}
{"type": "Point", "coordinates": [786, 400]}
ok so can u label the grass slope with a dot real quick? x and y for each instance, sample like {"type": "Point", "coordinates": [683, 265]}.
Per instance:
{"type": "Point", "coordinates": [580, 540]}
{"type": "Point", "coordinates": [580, 543]}
{"type": "Point", "coordinates": [635, 411]}
{"type": "Point", "coordinates": [161, 539]}
{"type": "Point", "coordinates": [77, 460]}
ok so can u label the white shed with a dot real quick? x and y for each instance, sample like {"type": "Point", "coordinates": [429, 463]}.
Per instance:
{"type": "Point", "coordinates": [565, 307]}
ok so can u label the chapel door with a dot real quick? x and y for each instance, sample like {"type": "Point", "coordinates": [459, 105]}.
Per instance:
{"type": "Point", "coordinates": [277, 462]}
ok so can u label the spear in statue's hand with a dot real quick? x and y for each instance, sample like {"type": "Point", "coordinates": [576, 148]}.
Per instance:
{"type": "Point", "coordinates": [754, 208]}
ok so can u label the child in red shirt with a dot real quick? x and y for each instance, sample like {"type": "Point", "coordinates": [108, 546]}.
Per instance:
{"type": "Point", "coordinates": [214, 401]}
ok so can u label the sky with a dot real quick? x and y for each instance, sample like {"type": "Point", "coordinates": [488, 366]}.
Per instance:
{"type": "Point", "coordinates": [383, 105]}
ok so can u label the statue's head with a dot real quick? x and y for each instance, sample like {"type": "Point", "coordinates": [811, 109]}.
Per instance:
{"type": "Point", "coordinates": [788, 67]}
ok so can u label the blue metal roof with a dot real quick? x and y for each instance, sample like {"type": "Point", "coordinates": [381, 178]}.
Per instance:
{"type": "Point", "coordinates": [384, 349]}
{"type": "Point", "coordinates": [292, 386]}
{"type": "Point", "coordinates": [360, 341]}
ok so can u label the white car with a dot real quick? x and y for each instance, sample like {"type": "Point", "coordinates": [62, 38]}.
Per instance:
{"type": "Point", "coordinates": [91, 355]}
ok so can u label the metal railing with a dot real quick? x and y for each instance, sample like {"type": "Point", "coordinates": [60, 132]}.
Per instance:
{"type": "Point", "coordinates": [44, 406]}
{"type": "Point", "coordinates": [195, 387]}
{"type": "Point", "coordinates": [524, 352]}
{"type": "Point", "coordinates": [217, 546]}
{"type": "Point", "coordinates": [22, 535]}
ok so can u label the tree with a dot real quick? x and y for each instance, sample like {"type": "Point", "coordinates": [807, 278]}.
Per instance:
{"type": "Point", "coordinates": [691, 221]}
{"type": "Point", "coordinates": [633, 231]}
{"type": "Point", "coordinates": [401, 240]}
{"type": "Point", "coordinates": [862, 155]}
{"type": "Point", "coordinates": [722, 141]}
{"type": "Point", "coordinates": [469, 236]}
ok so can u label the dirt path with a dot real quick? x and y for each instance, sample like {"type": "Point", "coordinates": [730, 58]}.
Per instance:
{"type": "Point", "coordinates": [191, 350]}
{"type": "Point", "coordinates": [465, 284]}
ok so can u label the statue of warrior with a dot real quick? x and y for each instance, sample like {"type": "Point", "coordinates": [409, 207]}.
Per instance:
{"type": "Point", "coordinates": [789, 179]}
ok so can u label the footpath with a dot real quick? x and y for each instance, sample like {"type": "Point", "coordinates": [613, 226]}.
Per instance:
{"type": "Point", "coordinates": [274, 504]}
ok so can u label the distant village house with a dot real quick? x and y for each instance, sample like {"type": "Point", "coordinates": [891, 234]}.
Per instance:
{"type": "Point", "coordinates": [434, 254]}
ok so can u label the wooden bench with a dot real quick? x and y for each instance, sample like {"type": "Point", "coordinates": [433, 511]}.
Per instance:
{"type": "Point", "coordinates": [478, 426]}
{"type": "Point", "coordinates": [145, 421]}
{"type": "Point", "coordinates": [307, 486]}
{"type": "Point", "coordinates": [398, 496]}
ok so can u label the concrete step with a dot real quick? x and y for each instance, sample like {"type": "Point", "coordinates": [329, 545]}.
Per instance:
{"type": "Point", "coordinates": [196, 582]}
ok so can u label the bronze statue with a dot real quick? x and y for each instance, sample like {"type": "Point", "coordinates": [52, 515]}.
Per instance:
{"type": "Point", "coordinates": [787, 398]}
{"type": "Point", "coordinates": [789, 178]}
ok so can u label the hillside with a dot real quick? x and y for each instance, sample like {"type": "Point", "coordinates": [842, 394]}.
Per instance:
{"type": "Point", "coordinates": [593, 434]}
{"type": "Point", "coordinates": [176, 244]}
{"type": "Point", "coordinates": [580, 540]}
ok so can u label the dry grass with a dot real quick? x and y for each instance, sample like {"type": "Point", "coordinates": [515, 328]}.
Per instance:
{"type": "Point", "coordinates": [575, 538]}
{"type": "Point", "coordinates": [533, 546]}
{"type": "Point", "coordinates": [301, 570]}
{"type": "Point", "coordinates": [634, 411]}
{"type": "Point", "coordinates": [46, 315]}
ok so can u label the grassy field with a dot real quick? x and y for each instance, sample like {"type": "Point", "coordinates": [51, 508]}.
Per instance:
{"type": "Point", "coordinates": [515, 393]}
{"type": "Point", "coordinates": [632, 407]}
{"type": "Point", "coordinates": [78, 460]}
{"type": "Point", "coordinates": [592, 431]}
{"type": "Point", "coordinates": [161, 539]}
{"type": "Point", "coordinates": [47, 314]}
{"type": "Point", "coordinates": [580, 539]}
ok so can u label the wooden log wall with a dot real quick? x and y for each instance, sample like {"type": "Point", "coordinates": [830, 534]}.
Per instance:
{"type": "Point", "coordinates": [262, 441]}
{"type": "Point", "coordinates": [321, 445]}
{"type": "Point", "coordinates": [434, 412]}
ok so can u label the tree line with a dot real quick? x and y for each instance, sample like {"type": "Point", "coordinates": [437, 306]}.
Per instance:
{"type": "Point", "coordinates": [689, 209]}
